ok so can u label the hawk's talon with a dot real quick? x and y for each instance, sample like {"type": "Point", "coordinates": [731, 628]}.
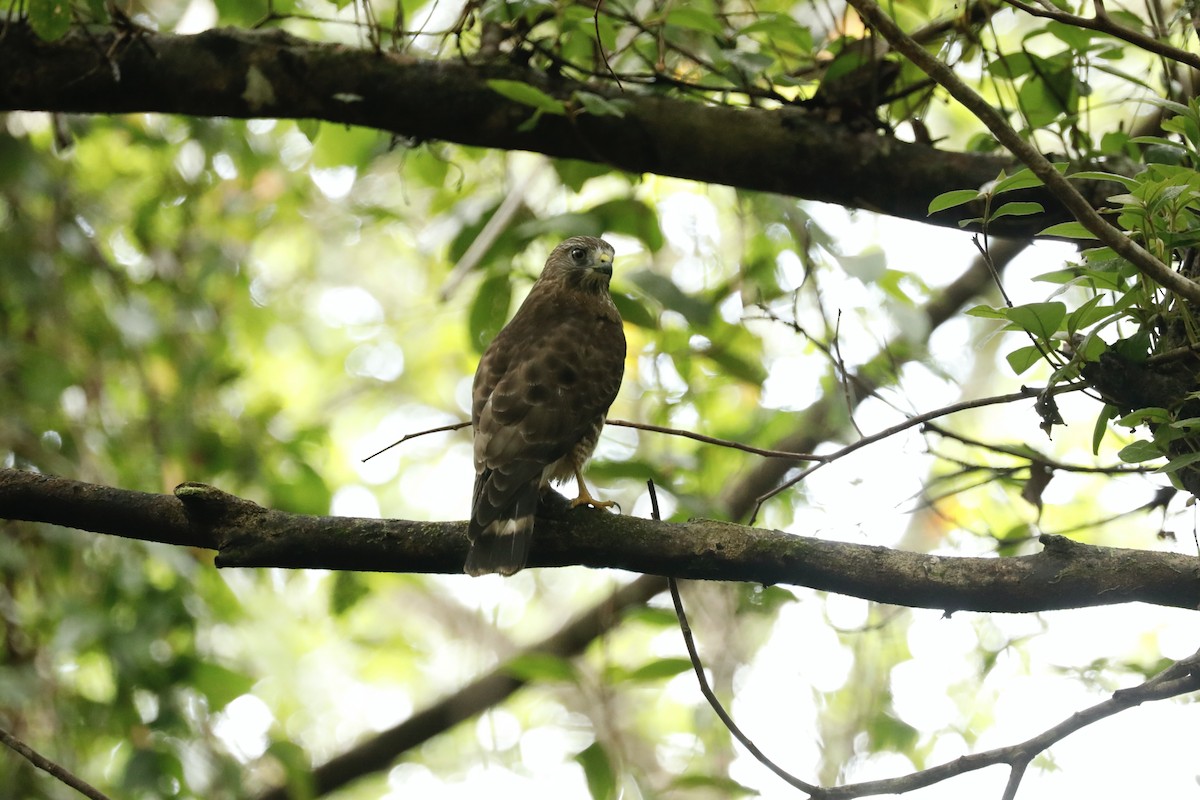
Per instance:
{"type": "Point", "coordinates": [588, 500]}
{"type": "Point", "coordinates": [585, 497]}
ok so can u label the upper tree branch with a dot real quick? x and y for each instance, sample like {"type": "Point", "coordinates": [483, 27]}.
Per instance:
{"type": "Point", "coordinates": [237, 73]}
{"type": "Point", "coordinates": [1064, 575]}
{"type": "Point", "coordinates": [1066, 192]}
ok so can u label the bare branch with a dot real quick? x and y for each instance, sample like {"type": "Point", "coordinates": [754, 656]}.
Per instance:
{"type": "Point", "coordinates": [711, 696]}
{"type": "Point", "coordinates": [1065, 574]}
{"type": "Point", "coordinates": [46, 765]}
{"type": "Point", "coordinates": [700, 437]}
{"type": "Point", "coordinates": [1030, 454]}
{"type": "Point", "coordinates": [453, 426]}
{"type": "Point", "coordinates": [1180, 678]}
{"type": "Point", "coordinates": [813, 423]}
{"type": "Point", "coordinates": [923, 419]}
{"type": "Point", "coordinates": [1105, 24]}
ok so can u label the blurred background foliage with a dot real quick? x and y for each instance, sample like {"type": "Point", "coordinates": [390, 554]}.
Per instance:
{"type": "Point", "coordinates": [260, 305]}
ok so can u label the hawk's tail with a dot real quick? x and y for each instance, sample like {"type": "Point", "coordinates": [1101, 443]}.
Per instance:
{"type": "Point", "coordinates": [502, 546]}
{"type": "Point", "coordinates": [501, 529]}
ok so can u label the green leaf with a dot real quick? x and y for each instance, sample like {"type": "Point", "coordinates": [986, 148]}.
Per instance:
{"type": "Point", "coordinates": [340, 146]}
{"type": "Point", "coordinates": [1179, 462]}
{"type": "Point", "coordinates": [1017, 210]}
{"type": "Point", "coordinates": [348, 588]}
{"type": "Point", "coordinates": [521, 92]}
{"type": "Point", "coordinates": [696, 20]}
{"type": "Point", "coordinates": [1074, 37]}
{"type": "Point", "coordinates": [721, 785]}
{"type": "Point", "coordinates": [599, 106]}
{"type": "Point", "coordinates": [311, 128]}
{"type": "Point", "coordinates": [489, 310]}
{"type": "Point", "coordinates": [1023, 179]}
{"type": "Point", "coordinates": [780, 29]}
{"type": "Point", "coordinates": [1136, 348]}
{"type": "Point", "coordinates": [632, 218]}
{"type": "Point", "coordinates": [1138, 451]}
{"type": "Point", "coordinates": [599, 772]}
{"type": "Point", "coordinates": [662, 289]}
{"type": "Point", "coordinates": [1101, 427]}
{"type": "Point", "coordinates": [1023, 358]}
{"type": "Point", "coordinates": [543, 667]}
{"type": "Point", "coordinates": [868, 266]}
{"type": "Point", "coordinates": [1068, 230]}
{"type": "Point", "coordinates": [651, 615]}
{"type": "Point", "coordinates": [634, 311]}
{"type": "Point", "coordinates": [659, 669]}
{"type": "Point", "coordinates": [1092, 175]}
{"type": "Point", "coordinates": [1046, 96]}
{"type": "Point", "coordinates": [1042, 320]}
{"type": "Point", "coordinates": [1144, 416]}
{"type": "Point", "coordinates": [220, 685]}
{"type": "Point", "coordinates": [735, 362]}
{"type": "Point", "coordinates": [574, 174]}
{"type": "Point", "coordinates": [1090, 312]}
{"type": "Point", "coordinates": [988, 312]}
{"type": "Point", "coordinates": [50, 19]}
{"type": "Point", "coordinates": [951, 199]}
{"type": "Point", "coordinates": [297, 766]}
{"type": "Point", "coordinates": [887, 732]}
{"type": "Point", "coordinates": [1011, 65]}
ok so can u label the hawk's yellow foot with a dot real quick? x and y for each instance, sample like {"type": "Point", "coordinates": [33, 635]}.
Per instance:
{"type": "Point", "coordinates": [585, 497]}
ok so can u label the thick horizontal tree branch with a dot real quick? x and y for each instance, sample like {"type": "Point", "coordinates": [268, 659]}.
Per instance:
{"type": "Point", "coordinates": [245, 74]}
{"type": "Point", "coordinates": [1065, 574]}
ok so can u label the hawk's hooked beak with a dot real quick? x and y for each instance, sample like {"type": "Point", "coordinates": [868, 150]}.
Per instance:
{"type": "Point", "coordinates": [605, 265]}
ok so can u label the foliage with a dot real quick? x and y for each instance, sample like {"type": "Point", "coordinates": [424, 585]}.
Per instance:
{"type": "Point", "coordinates": [259, 305]}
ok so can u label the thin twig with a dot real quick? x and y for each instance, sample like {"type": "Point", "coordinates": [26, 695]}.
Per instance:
{"type": "Point", "coordinates": [1180, 678]}
{"type": "Point", "coordinates": [1031, 454]}
{"type": "Point", "coordinates": [698, 666]}
{"type": "Point", "coordinates": [600, 46]}
{"type": "Point", "coordinates": [1103, 23]}
{"type": "Point", "coordinates": [700, 437]}
{"type": "Point", "coordinates": [711, 696]}
{"type": "Point", "coordinates": [641, 426]}
{"type": "Point", "coordinates": [1025, 394]}
{"type": "Point", "coordinates": [453, 426]}
{"type": "Point", "coordinates": [844, 373]}
{"type": "Point", "coordinates": [41, 762]}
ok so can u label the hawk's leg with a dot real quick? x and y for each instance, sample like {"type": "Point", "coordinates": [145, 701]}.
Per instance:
{"type": "Point", "coordinates": [585, 497]}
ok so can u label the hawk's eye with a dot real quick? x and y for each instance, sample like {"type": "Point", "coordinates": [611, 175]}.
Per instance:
{"type": "Point", "coordinates": [578, 253]}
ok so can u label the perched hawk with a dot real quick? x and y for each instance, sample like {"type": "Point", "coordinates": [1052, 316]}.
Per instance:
{"type": "Point", "coordinates": [540, 396]}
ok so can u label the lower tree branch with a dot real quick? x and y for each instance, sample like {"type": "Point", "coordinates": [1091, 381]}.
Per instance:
{"type": "Point", "coordinates": [58, 772]}
{"type": "Point", "coordinates": [1178, 679]}
{"type": "Point", "coordinates": [1066, 574]}
{"type": "Point", "coordinates": [379, 751]}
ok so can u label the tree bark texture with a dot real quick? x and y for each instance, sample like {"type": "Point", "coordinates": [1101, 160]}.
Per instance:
{"type": "Point", "coordinates": [1065, 574]}
{"type": "Point", "coordinates": [246, 74]}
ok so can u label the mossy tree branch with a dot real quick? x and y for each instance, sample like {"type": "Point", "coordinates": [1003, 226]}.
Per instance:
{"type": "Point", "coordinates": [1065, 574]}
{"type": "Point", "coordinates": [246, 74]}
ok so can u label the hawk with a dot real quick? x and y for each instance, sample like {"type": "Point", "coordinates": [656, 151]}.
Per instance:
{"type": "Point", "coordinates": [540, 395]}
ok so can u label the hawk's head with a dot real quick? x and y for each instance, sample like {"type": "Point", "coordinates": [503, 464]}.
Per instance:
{"type": "Point", "coordinates": [582, 262]}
